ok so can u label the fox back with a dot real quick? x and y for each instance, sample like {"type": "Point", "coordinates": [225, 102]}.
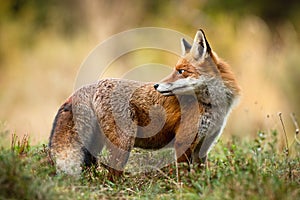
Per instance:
{"type": "Point", "coordinates": [187, 110]}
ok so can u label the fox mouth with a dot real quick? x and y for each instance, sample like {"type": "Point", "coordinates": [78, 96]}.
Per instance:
{"type": "Point", "coordinates": [166, 93]}
{"type": "Point", "coordinates": [178, 90]}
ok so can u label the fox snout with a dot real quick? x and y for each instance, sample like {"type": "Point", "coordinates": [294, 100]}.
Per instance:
{"type": "Point", "coordinates": [163, 88]}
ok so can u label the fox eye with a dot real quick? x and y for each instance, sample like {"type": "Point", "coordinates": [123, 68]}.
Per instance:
{"type": "Point", "coordinates": [180, 71]}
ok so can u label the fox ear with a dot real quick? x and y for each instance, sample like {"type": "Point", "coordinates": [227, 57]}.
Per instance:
{"type": "Point", "coordinates": [200, 48]}
{"type": "Point", "coordinates": [185, 46]}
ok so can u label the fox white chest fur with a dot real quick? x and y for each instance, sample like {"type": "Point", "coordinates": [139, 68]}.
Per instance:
{"type": "Point", "coordinates": [219, 102]}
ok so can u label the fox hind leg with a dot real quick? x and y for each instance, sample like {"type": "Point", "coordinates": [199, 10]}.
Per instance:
{"type": "Point", "coordinates": [75, 138]}
{"type": "Point", "coordinates": [64, 145]}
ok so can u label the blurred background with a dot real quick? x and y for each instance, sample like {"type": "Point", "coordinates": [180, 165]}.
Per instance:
{"type": "Point", "coordinates": [43, 43]}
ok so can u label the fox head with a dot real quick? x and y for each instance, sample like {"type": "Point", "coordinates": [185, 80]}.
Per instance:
{"type": "Point", "coordinates": [197, 61]}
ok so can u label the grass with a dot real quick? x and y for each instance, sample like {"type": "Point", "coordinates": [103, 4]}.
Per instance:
{"type": "Point", "coordinates": [237, 169]}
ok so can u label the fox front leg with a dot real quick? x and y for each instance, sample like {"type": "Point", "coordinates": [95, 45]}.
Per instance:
{"type": "Point", "coordinates": [186, 131]}
{"type": "Point", "coordinates": [191, 129]}
{"type": "Point", "coordinates": [204, 146]}
{"type": "Point", "coordinates": [195, 155]}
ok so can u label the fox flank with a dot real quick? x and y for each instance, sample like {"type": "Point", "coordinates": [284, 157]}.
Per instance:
{"type": "Point", "coordinates": [187, 110]}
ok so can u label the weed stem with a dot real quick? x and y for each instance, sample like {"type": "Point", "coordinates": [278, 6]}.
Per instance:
{"type": "Point", "coordinates": [286, 139]}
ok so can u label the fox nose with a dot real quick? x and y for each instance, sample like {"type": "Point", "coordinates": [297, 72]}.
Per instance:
{"type": "Point", "coordinates": [156, 86]}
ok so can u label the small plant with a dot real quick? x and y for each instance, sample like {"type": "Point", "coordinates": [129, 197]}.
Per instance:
{"type": "Point", "coordinates": [20, 147]}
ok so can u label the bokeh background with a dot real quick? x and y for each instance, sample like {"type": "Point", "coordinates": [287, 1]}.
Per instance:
{"type": "Point", "coordinates": [43, 43]}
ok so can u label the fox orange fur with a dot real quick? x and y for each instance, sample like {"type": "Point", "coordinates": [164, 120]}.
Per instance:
{"type": "Point", "coordinates": [187, 110]}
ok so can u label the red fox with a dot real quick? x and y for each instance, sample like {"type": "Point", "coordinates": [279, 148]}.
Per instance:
{"type": "Point", "coordinates": [187, 110]}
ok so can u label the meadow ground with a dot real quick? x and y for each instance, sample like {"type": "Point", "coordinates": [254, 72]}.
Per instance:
{"type": "Point", "coordinates": [237, 169]}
